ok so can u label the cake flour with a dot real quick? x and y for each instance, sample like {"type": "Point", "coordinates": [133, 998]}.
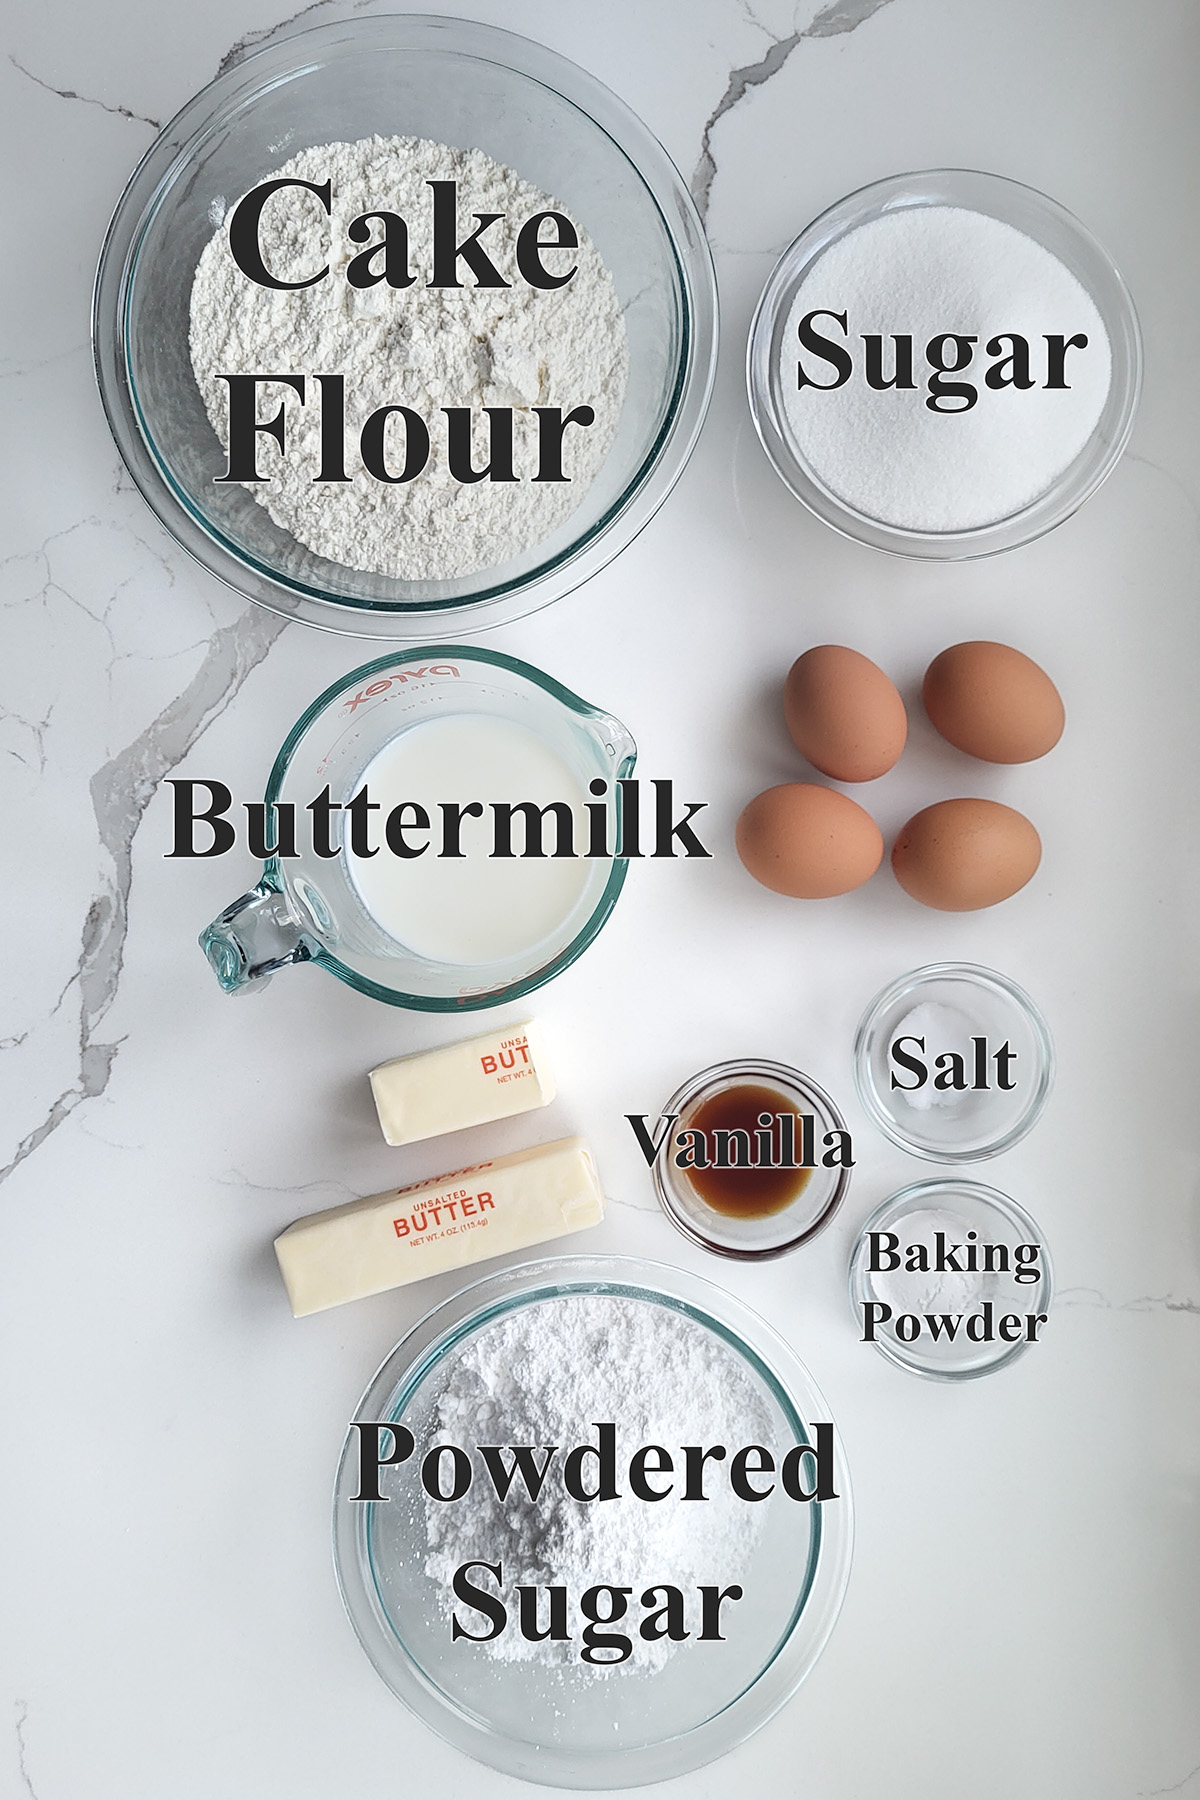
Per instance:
{"type": "Point", "coordinates": [420, 347]}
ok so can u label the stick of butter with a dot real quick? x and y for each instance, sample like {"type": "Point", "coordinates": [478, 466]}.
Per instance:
{"type": "Point", "coordinates": [472, 1083]}
{"type": "Point", "coordinates": [389, 1239]}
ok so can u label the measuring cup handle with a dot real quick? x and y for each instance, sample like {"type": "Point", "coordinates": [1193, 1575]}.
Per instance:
{"type": "Point", "coordinates": [252, 938]}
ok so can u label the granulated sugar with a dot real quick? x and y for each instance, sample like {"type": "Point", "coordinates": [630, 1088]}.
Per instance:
{"type": "Point", "coordinates": [544, 1375]}
{"type": "Point", "coordinates": [422, 347]}
{"type": "Point", "coordinates": [925, 271]}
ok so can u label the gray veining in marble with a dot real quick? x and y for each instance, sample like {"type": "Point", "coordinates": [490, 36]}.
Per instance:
{"type": "Point", "coordinates": [119, 112]}
{"type": "Point", "coordinates": [121, 792]}
{"type": "Point", "coordinates": [21, 1719]}
{"type": "Point", "coordinates": [306, 16]}
{"type": "Point", "coordinates": [832, 21]}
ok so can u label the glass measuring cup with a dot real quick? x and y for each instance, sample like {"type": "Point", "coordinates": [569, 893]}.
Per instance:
{"type": "Point", "coordinates": [307, 909]}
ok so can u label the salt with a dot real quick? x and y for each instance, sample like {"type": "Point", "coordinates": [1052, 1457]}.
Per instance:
{"type": "Point", "coordinates": [942, 1029]}
{"type": "Point", "coordinates": [927, 271]}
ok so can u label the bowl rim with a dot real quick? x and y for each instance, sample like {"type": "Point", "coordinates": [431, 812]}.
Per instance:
{"type": "Point", "coordinates": [997, 196]}
{"type": "Point", "coordinates": [774, 1361]}
{"type": "Point", "coordinates": [974, 975]}
{"type": "Point", "coordinates": [929, 1192]}
{"type": "Point", "coordinates": [663, 462]}
{"type": "Point", "coordinates": [717, 1075]}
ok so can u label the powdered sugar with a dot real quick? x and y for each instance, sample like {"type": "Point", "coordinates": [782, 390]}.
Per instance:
{"type": "Point", "coordinates": [544, 1375]}
{"type": "Point", "coordinates": [419, 346]}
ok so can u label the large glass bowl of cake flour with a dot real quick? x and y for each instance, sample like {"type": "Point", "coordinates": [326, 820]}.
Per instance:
{"type": "Point", "coordinates": [546, 1353]}
{"type": "Point", "coordinates": [910, 289]}
{"type": "Point", "coordinates": [423, 912]}
{"type": "Point", "coordinates": [459, 84]}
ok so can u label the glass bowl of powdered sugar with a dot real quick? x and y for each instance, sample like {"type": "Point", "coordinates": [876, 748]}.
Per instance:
{"type": "Point", "coordinates": [544, 1589]}
{"type": "Point", "coordinates": [953, 1062]}
{"type": "Point", "coordinates": [944, 365]}
{"type": "Point", "coordinates": [405, 326]}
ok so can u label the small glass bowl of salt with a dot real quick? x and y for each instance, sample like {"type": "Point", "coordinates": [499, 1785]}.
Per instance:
{"type": "Point", "coordinates": [953, 1062]}
{"type": "Point", "coordinates": [951, 1279]}
{"type": "Point", "coordinates": [944, 364]}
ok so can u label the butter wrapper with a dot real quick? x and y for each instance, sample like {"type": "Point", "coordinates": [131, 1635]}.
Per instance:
{"type": "Point", "coordinates": [450, 1222]}
{"type": "Point", "coordinates": [494, 1076]}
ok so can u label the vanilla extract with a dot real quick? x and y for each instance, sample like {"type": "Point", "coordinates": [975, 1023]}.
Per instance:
{"type": "Point", "coordinates": [748, 1152]}
{"type": "Point", "coordinates": [745, 1150]}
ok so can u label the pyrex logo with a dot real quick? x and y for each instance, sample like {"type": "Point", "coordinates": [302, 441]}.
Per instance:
{"type": "Point", "coordinates": [385, 681]}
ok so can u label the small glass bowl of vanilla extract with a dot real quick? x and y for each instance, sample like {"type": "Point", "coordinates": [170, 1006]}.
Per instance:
{"type": "Point", "coordinates": [754, 1161]}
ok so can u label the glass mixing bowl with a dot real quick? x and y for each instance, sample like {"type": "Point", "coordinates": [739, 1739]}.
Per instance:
{"type": "Point", "coordinates": [473, 87]}
{"type": "Point", "coordinates": [568, 1724]}
{"type": "Point", "coordinates": [1027, 211]}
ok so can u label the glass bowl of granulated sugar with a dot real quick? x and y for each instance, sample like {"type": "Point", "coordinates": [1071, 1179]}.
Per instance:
{"type": "Point", "coordinates": [944, 365]}
{"type": "Point", "coordinates": [522, 1547]}
{"type": "Point", "coordinates": [405, 326]}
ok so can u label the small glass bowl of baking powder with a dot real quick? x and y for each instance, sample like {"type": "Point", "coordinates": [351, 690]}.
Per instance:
{"type": "Point", "coordinates": [475, 88]}
{"type": "Point", "coordinates": [953, 1062]}
{"type": "Point", "coordinates": [787, 1150]}
{"type": "Point", "coordinates": [880, 455]}
{"type": "Point", "coordinates": [951, 1279]}
{"type": "Point", "coordinates": [559, 1353]}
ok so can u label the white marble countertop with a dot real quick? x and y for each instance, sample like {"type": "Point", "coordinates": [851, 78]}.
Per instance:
{"type": "Point", "coordinates": [1022, 1615]}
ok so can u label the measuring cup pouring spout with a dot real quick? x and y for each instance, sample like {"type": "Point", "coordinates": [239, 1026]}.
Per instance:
{"type": "Point", "coordinates": [308, 908]}
{"type": "Point", "coordinates": [615, 741]}
{"type": "Point", "coordinates": [251, 939]}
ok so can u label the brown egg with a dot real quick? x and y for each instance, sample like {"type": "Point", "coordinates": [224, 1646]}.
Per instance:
{"type": "Point", "coordinates": [993, 702]}
{"type": "Point", "coordinates": [843, 713]}
{"type": "Point", "coordinates": [809, 842]}
{"type": "Point", "coordinates": [963, 854]}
